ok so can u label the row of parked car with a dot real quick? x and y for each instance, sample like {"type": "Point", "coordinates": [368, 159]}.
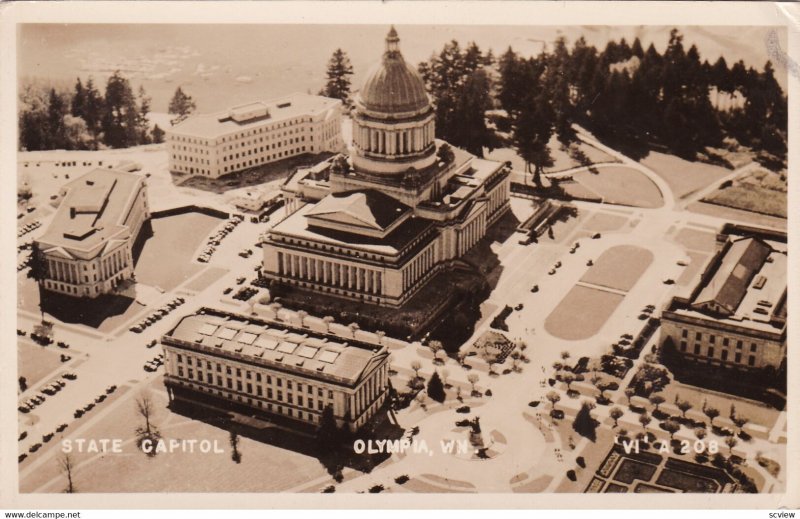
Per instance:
{"type": "Point", "coordinates": [49, 390]}
{"type": "Point", "coordinates": [91, 405]}
{"type": "Point", "coordinates": [216, 239]}
{"type": "Point", "coordinates": [28, 227]}
{"type": "Point", "coordinates": [157, 315]}
{"type": "Point", "coordinates": [155, 363]}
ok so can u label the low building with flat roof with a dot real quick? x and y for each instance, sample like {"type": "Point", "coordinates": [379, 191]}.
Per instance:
{"type": "Point", "coordinates": [87, 248]}
{"type": "Point", "coordinates": [736, 314]}
{"type": "Point", "coordinates": [275, 369]}
{"type": "Point", "coordinates": [254, 134]}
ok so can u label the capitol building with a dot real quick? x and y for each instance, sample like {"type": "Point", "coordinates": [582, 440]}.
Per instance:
{"type": "Point", "coordinates": [377, 224]}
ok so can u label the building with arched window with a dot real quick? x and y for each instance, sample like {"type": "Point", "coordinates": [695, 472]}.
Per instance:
{"type": "Point", "coordinates": [378, 223]}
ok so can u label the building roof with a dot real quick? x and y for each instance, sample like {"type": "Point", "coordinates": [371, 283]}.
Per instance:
{"type": "Point", "coordinates": [368, 208]}
{"type": "Point", "coordinates": [93, 212]}
{"type": "Point", "coordinates": [744, 285]}
{"type": "Point", "coordinates": [298, 225]}
{"type": "Point", "coordinates": [739, 265]}
{"type": "Point", "coordinates": [252, 115]}
{"type": "Point", "coordinates": [279, 347]}
{"type": "Point", "coordinates": [393, 86]}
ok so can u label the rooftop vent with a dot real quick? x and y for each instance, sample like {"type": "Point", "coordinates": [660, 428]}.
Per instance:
{"type": "Point", "coordinates": [284, 105]}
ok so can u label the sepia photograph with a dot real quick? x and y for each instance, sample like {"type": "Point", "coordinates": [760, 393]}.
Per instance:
{"type": "Point", "coordinates": [400, 257]}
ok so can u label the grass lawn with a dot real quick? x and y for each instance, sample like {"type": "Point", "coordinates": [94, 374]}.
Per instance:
{"type": "Point", "coordinates": [263, 468]}
{"type": "Point", "coordinates": [619, 267]}
{"type": "Point", "coordinates": [683, 177]}
{"type": "Point", "coordinates": [621, 185]}
{"type": "Point", "coordinates": [167, 258]}
{"type": "Point", "coordinates": [36, 362]}
{"type": "Point", "coordinates": [563, 158]}
{"type": "Point", "coordinates": [756, 412]}
{"type": "Point", "coordinates": [730, 213]}
{"type": "Point", "coordinates": [751, 198]}
{"type": "Point", "coordinates": [695, 240]}
{"type": "Point", "coordinates": [581, 313]}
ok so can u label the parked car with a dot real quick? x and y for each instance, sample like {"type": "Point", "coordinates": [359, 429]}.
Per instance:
{"type": "Point", "coordinates": [669, 281]}
{"type": "Point", "coordinates": [535, 288]}
{"type": "Point", "coordinates": [558, 414]}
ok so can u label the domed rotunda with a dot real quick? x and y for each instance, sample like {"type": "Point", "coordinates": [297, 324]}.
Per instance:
{"type": "Point", "coordinates": [378, 224]}
{"type": "Point", "coordinates": [393, 123]}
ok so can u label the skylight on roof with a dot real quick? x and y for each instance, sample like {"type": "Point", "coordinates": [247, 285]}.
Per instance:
{"type": "Point", "coordinates": [307, 352]}
{"type": "Point", "coordinates": [208, 329]}
{"type": "Point", "coordinates": [287, 347]}
{"type": "Point", "coordinates": [227, 334]}
{"type": "Point", "coordinates": [329, 357]}
{"type": "Point", "coordinates": [247, 338]}
{"type": "Point", "coordinates": [266, 343]}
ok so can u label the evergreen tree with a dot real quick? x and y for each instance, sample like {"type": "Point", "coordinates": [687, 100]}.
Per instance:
{"type": "Point", "coordinates": [337, 85]}
{"type": "Point", "coordinates": [78, 108]}
{"type": "Point", "coordinates": [460, 87]}
{"type": "Point", "coordinates": [584, 423]}
{"type": "Point", "coordinates": [93, 109]}
{"type": "Point", "coordinates": [533, 129]}
{"type": "Point", "coordinates": [512, 82]}
{"type": "Point", "coordinates": [181, 104]}
{"type": "Point", "coordinates": [157, 135]}
{"type": "Point", "coordinates": [142, 122]}
{"type": "Point", "coordinates": [557, 84]}
{"type": "Point", "coordinates": [56, 129]}
{"type": "Point", "coordinates": [436, 388]}
{"type": "Point", "coordinates": [121, 115]}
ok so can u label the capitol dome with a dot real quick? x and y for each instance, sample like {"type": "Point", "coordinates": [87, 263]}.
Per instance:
{"type": "Point", "coordinates": [394, 122]}
{"type": "Point", "coordinates": [393, 87]}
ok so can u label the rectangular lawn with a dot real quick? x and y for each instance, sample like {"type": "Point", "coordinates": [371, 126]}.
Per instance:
{"type": "Point", "coordinates": [167, 259]}
{"type": "Point", "coordinates": [619, 267]}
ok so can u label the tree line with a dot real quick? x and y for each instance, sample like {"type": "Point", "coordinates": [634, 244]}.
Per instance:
{"type": "Point", "coordinates": [88, 119]}
{"type": "Point", "coordinates": [634, 98]}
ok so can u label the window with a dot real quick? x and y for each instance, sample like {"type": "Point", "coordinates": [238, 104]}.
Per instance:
{"type": "Point", "coordinates": [191, 373]}
{"type": "Point", "coordinates": [259, 392]}
{"type": "Point", "coordinates": [710, 351]}
{"type": "Point", "coordinates": [280, 395]}
{"type": "Point", "coordinates": [724, 354]}
{"type": "Point", "coordinates": [683, 345]}
{"type": "Point", "coordinates": [180, 358]}
{"type": "Point", "coordinates": [228, 370]}
{"type": "Point", "coordinates": [249, 387]}
{"type": "Point", "coordinates": [330, 394]}
{"type": "Point", "coordinates": [698, 336]}
{"type": "Point", "coordinates": [269, 392]}
{"type": "Point", "coordinates": [712, 339]}
{"type": "Point", "coordinates": [725, 341]}
{"type": "Point", "coordinates": [249, 375]}
{"type": "Point", "coordinates": [753, 347]}
{"type": "Point", "coordinates": [697, 349]}
{"type": "Point", "coordinates": [738, 345]}
{"type": "Point", "coordinates": [230, 383]}
{"type": "Point", "coordinates": [738, 357]}
{"type": "Point", "coordinates": [238, 385]}
{"type": "Point", "coordinates": [751, 361]}
{"type": "Point", "coordinates": [319, 392]}
{"type": "Point", "coordinates": [685, 333]}
{"type": "Point", "coordinates": [258, 377]}
{"type": "Point", "coordinates": [238, 372]}
{"type": "Point", "coordinates": [280, 382]}
{"type": "Point", "coordinates": [288, 384]}
{"type": "Point", "coordinates": [180, 371]}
